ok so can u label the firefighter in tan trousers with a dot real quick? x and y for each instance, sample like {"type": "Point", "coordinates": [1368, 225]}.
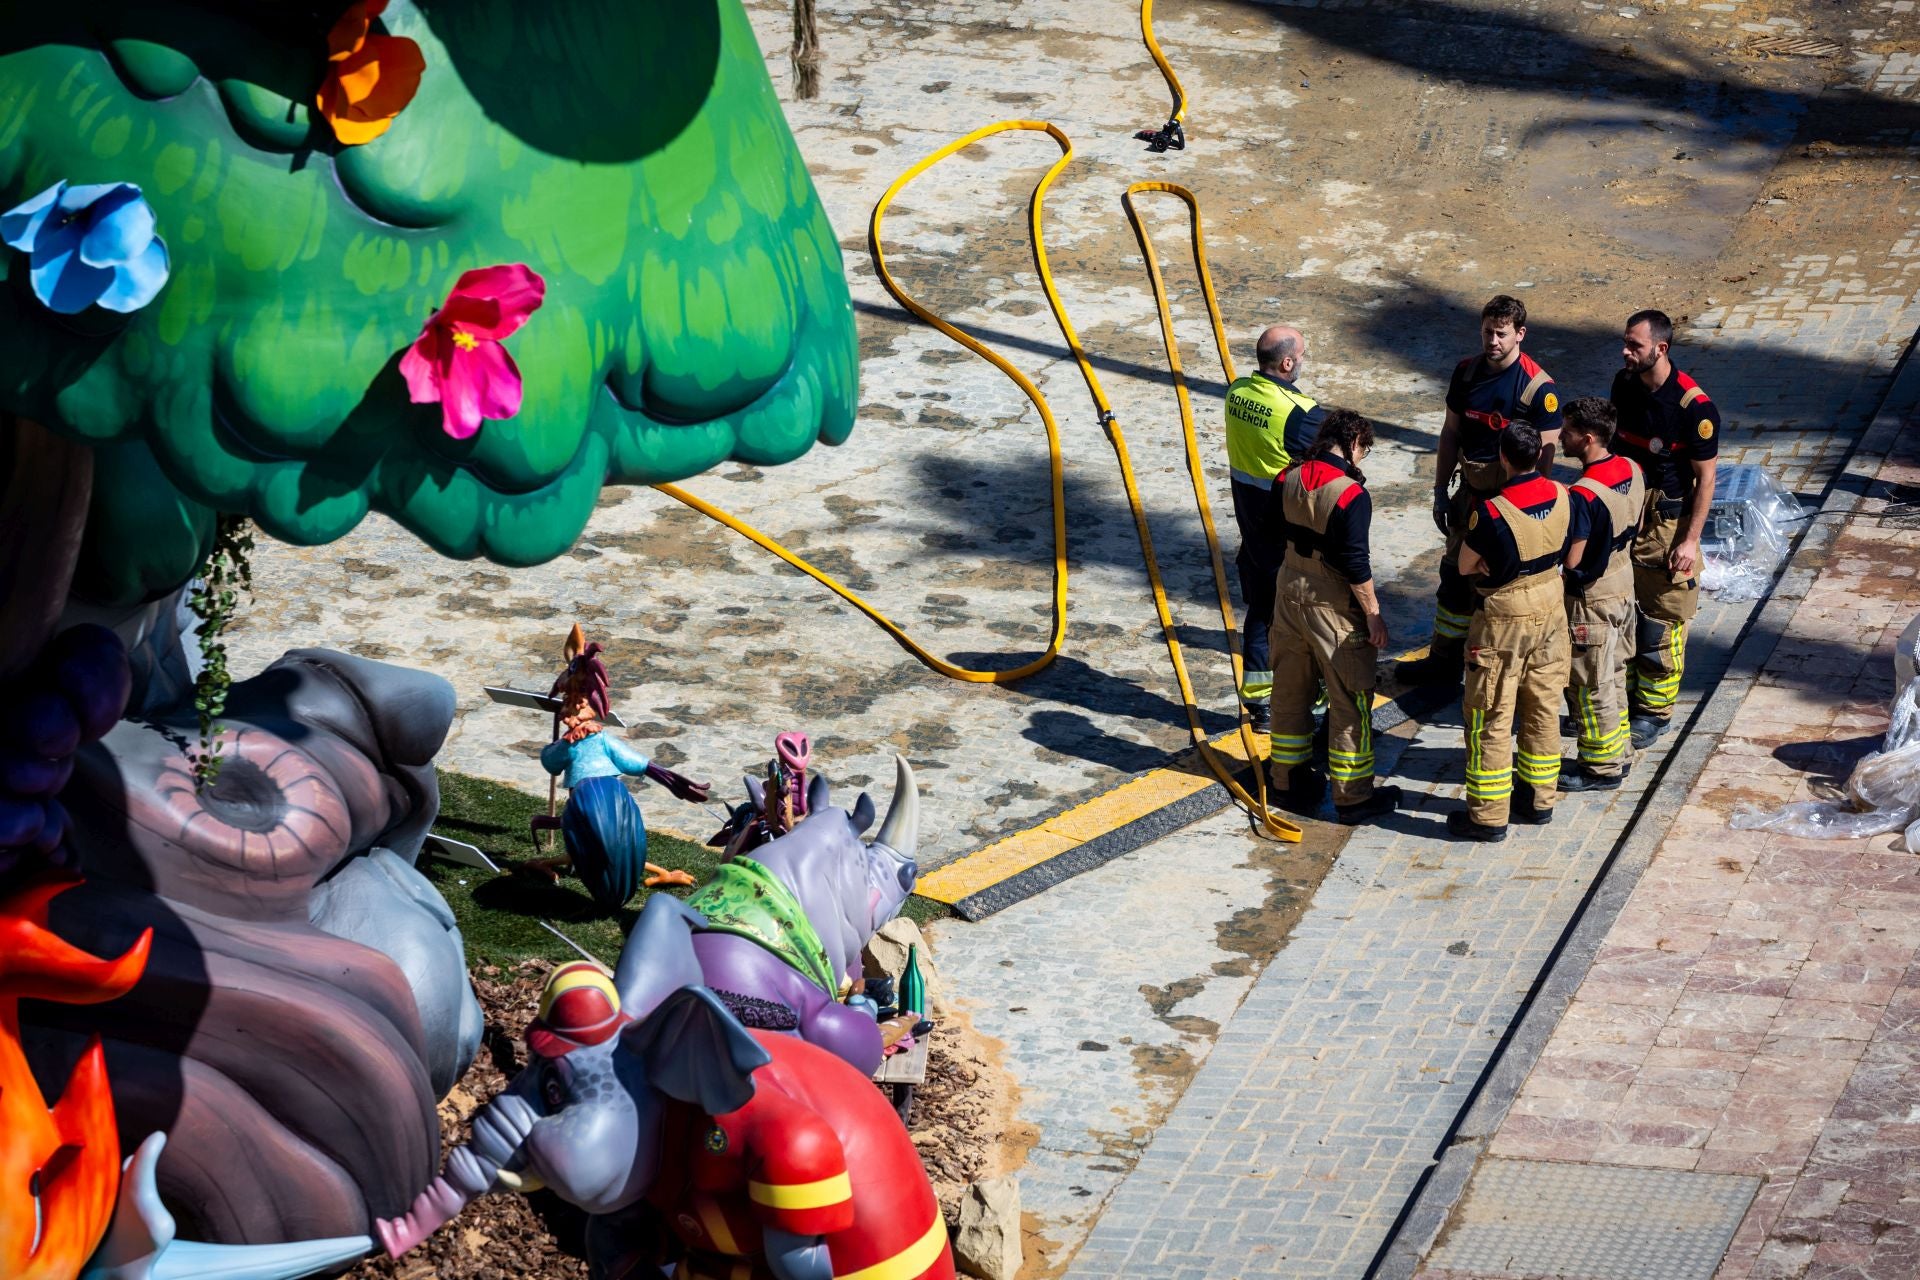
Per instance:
{"type": "Point", "coordinates": [1326, 624]}
{"type": "Point", "coordinates": [1517, 659]}
{"type": "Point", "coordinates": [1606, 506]}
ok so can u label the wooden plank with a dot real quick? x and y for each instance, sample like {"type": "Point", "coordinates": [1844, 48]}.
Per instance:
{"type": "Point", "coordinates": [906, 1068]}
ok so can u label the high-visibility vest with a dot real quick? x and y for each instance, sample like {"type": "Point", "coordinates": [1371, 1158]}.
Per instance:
{"type": "Point", "coordinates": [1258, 409]}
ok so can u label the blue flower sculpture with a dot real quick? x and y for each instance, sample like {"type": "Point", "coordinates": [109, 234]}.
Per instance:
{"type": "Point", "coordinates": [89, 245]}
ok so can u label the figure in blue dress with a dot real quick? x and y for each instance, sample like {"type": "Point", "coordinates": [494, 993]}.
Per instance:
{"type": "Point", "coordinates": [606, 838]}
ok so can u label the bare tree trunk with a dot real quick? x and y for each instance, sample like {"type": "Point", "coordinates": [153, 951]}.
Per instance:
{"type": "Point", "coordinates": [43, 515]}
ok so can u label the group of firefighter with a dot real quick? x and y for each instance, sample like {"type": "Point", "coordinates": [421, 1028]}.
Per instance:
{"type": "Point", "coordinates": [1550, 595]}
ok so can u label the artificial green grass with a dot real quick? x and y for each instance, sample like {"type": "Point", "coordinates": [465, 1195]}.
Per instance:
{"type": "Point", "coordinates": [500, 915]}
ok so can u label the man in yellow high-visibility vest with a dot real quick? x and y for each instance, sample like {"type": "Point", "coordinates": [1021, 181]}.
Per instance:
{"type": "Point", "coordinates": [1270, 422]}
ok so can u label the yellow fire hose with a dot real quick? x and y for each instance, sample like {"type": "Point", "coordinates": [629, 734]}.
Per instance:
{"type": "Point", "coordinates": [1256, 805]}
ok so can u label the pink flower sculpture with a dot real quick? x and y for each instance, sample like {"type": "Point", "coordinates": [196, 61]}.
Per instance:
{"type": "Point", "coordinates": [458, 361]}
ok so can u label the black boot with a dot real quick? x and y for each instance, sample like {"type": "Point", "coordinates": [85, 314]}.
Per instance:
{"type": "Point", "coordinates": [1382, 802]}
{"type": "Point", "coordinates": [1646, 729]}
{"type": "Point", "coordinates": [1306, 788]}
{"type": "Point", "coordinates": [1444, 664]}
{"type": "Point", "coordinates": [1574, 777]}
{"type": "Point", "coordinates": [1524, 810]}
{"type": "Point", "coordinates": [1461, 826]}
{"type": "Point", "coordinates": [1260, 716]}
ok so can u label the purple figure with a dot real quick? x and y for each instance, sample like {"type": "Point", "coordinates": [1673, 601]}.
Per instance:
{"type": "Point", "coordinates": [785, 925]}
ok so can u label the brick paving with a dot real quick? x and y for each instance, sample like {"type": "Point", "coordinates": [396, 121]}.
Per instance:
{"type": "Point", "coordinates": [1299, 1141]}
{"type": "Point", "coordinates": [1755, 1008]}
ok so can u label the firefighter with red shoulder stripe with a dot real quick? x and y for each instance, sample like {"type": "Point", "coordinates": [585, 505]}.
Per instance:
{"type": "Point", "coordinates": [1500, 386]}
{"type": "Point", "coordinates": [1517, 658]}
{"type": "Point", "coordinates": [1326, 624]}
{"type": "Point", "coordinates": [1670, 427]}
{"type": "Point", "coordinates": [1604, 519]}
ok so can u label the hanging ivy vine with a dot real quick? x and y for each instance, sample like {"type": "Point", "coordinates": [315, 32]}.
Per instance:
{"type": "Point", "coordinates": [228, 572]}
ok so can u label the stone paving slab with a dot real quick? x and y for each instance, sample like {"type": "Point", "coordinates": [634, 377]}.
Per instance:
{"type": "Point", "coordinates": [1594, 1222]}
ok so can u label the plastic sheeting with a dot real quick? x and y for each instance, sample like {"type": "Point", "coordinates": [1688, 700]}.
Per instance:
{"type": "Point", "coordinates": [1882, 795]}
{"type": "Point", "coordinates": [1747, 535]}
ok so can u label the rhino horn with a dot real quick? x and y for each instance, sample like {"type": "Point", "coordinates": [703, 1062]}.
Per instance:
{"type": "Point", "coordinates": [901, 831]}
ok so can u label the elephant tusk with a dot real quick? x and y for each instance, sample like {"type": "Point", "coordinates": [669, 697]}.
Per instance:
{"type": "Point", "coordinates": [901, 831]}
{"type": "Point", "coordinates": [524, 1183]}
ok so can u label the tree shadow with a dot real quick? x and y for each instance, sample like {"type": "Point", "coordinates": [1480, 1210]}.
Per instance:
{"type": "Point", "coordinates": [1205, 392]}
{"type": "Point", "coordinates": [1509, 51]}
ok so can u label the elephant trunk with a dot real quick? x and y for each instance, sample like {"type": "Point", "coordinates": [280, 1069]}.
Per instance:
{"type": "Point", "coordinates": [487, 1159]}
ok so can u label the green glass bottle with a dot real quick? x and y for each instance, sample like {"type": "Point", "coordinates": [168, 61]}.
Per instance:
{"type": "Point", "coordinates": [913, 986]}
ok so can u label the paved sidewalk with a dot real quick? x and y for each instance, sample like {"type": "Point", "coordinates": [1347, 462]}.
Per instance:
{"type": "Point", "coordinates": [1751, 1023]}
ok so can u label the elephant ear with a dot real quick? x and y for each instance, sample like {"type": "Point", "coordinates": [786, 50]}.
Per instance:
{"type": "Point", "coordinates": [819, 795]}
{"type": "Point", "coordinates": [695, 1051]}
{"type": "Point", "coordinates": [658, 958]}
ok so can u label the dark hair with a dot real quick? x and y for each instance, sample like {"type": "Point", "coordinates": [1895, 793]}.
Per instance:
{"type": "Point", "coordinates": [1594, 416]}
{"type": "Point", "coordinates": [1520, 445]}
{"type": "Point", "coordinates": [1657, 324]}
{"type": "Point", "coordinates": [1505, 307]}
{"type": "Point", "coordinates": [1342, 429]}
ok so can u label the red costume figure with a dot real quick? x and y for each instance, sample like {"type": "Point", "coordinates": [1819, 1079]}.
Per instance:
{"type": "Point", "coordinates": [809, 1155]}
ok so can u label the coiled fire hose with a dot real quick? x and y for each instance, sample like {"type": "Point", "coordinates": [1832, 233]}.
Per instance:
{"type": "Point", "coordinates": [1221, 767]}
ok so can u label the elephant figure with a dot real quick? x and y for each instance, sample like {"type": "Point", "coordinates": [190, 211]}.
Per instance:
{"type": "Point", "coordinates": [786, 925]}
{"type": "Point", "coordinates": [686, 1136]}
{"type": "Point", "coordinates": [306, 1000]}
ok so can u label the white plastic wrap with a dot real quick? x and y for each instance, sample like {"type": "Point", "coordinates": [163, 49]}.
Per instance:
{"type": "Point", "coordinates": [1883, 791]}
{"type": "Point", "coordinates": [1747, 535]}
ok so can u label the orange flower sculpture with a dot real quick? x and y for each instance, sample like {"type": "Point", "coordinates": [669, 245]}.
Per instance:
{"type": "Point", "coordinates": [370, 79]}
{"type": "Point", "coordinates": [59, 1169]}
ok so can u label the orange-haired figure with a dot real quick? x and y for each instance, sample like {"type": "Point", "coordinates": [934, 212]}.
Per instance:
{"type": "Point", "coordinates": [606, 837]}
{"type": "Point", "coordinates": [59, 1169]}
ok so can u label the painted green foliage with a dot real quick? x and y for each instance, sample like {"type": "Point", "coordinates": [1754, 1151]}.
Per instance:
{"type": "Point", "coordinates": [631, 151]}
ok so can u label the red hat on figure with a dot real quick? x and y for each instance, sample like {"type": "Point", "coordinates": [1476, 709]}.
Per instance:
{"type": "Point", "coordinates": [579, 1007]}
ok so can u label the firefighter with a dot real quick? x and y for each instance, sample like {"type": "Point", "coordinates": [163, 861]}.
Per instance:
{"type": "Point", "coordinates": [1669, 426]}
{"type": "Point", "coordinates": [1516, 653]}
{"type": "Point", "coordinates": [1269, 422]}
{"type": "Point", "coordinates": [1501, 385]}
{"type": "Point", "coordinates": [1603, 520]}
{"type": "Point", "coordinates": [1326, 624]}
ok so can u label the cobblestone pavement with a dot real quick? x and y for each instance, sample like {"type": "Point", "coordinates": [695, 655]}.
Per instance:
{"type": "Point", "coordinates": [1313, 1115]}
{"type": "Point", "coordinates": [1371, 180]}
{"type": "Point", "coordinates": [1325, 1097]}
{"type": "Point", "coordinates": [1103, 1038]}
{"type": "Point", "coordinates": [1755, 1007]}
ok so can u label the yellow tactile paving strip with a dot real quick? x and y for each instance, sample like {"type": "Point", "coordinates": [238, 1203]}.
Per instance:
{"type": "Point", "coordinates": [1109, 811]}
{"type": "Point", "coordinates": [1106, 812]}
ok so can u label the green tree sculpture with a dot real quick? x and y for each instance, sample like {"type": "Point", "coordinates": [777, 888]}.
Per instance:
{"type": "Point", "coordinates": [630, 151]}
{"type": "Point", "coordinates": [321, 179]}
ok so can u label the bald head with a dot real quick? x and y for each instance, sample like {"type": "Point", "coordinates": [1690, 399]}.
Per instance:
{"type": "Point", "coordinates": [1280, 352]}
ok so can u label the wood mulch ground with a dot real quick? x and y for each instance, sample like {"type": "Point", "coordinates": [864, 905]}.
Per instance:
{"type": "Point", "coordinates": [962, 1125]}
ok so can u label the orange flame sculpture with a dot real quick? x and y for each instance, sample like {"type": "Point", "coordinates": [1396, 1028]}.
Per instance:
{"type": "Point", "coordinates": [59, 1169]}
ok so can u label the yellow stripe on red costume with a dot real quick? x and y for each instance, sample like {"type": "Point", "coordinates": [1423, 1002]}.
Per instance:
{"type": "Point", "coordinates": [782, 1162]}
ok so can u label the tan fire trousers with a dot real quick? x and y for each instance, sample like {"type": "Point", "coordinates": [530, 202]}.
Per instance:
{"type": "Point", "coordinates": [1319, 634]}
{"type": "Point", "coordinates": [1667, 606]}
{"type": "Point", "coordinates": [1517, 665]}
{"type": "Point", "coordinates": [1600, 633]}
